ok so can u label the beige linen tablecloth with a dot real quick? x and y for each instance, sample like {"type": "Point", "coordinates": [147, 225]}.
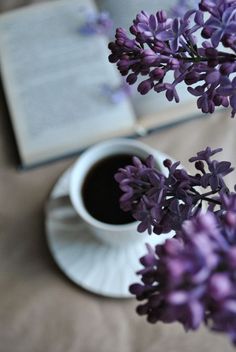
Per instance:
{"type": "Point", "coordinates": [40, 309]}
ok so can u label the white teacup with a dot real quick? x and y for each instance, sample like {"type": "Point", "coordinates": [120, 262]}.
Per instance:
{"type": "Point", "coordinates": [109, 233]}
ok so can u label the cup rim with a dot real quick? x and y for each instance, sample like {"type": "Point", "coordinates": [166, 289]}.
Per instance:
{"type": "Point", "coordinates": [75, 195]}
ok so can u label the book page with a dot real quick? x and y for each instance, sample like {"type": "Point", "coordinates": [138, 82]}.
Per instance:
{"type": "Point", "coordinates": [153, 104]}
{"type": "Point", "coordinates": [53, 78]}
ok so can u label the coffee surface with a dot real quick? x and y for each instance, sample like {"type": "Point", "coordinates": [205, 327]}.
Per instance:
{"type": "Point", "coordinates": [101, 192]}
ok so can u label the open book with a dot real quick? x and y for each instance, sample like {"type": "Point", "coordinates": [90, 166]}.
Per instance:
{"type": "Point", "coordinates": [52, 76]}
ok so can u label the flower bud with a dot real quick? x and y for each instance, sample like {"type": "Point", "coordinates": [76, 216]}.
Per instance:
{"type": "Point", "coordinates": [120, 34]}
{"type": "Point", "coordinates": [217, 99]}
{"type": "Point", "coordinates": [191, 78]}
{"type": "Point", "coordinates": [113, 58]}
{"type": "Point", "coordinates": [157, 74]}
{"type": "Point", "coordinates": [132, 78]}
{"type": "Point", "coordinates": [167, 163]}
{"type": "Point", "coordinates": [145, 86]}
{"type": "Point", "coordinates": [199, 165]}
{"type": "Point", "coordinates": [133, 30]}
{"type": "Point", "coordinates": [228, 40]}
{"type": "Point", "coordinates": [123, 65]}
{"type": "Point", "coordinates": [207, 32]}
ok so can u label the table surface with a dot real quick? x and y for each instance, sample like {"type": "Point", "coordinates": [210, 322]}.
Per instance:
{"type": "Point", "coordinates": [40, 309]}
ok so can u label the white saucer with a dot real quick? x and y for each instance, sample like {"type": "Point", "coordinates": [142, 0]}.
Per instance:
{"type": "Point", "coordinates": [93, 265]}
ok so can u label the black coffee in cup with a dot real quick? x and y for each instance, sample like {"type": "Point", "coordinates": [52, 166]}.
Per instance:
{"type": "Point", "coordinates": [101, 192]}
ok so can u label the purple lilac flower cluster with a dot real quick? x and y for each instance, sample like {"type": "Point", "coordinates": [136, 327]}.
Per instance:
{"type": "Point", "coordinates": [191, 278]}
{"type": "Point", "coordinates": [162, 45]}
{"type": "Point", "coordinates": [161, 203]}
